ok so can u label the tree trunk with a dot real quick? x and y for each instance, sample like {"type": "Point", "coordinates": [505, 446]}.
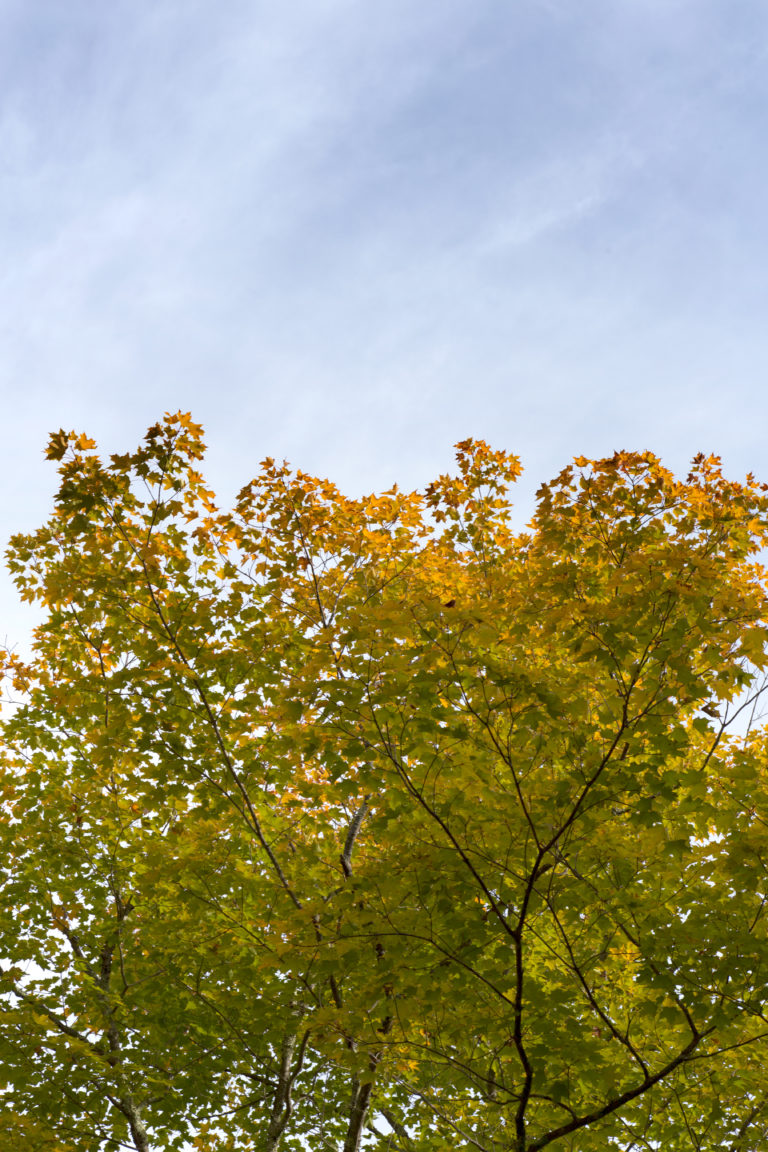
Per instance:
{"type": "Point", "coordinates": [358, 1114]}
{"type": "Point", "coordinates": [281, 1105]}
{"type": "Point", "coordinates": [138, 1130]}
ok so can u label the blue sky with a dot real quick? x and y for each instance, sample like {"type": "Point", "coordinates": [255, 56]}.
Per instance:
{"type": "Point", "coordinates": [350, 234]}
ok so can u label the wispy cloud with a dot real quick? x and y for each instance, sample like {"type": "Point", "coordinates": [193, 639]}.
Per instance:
{"type": "Point", "coordinates": [351, 234]}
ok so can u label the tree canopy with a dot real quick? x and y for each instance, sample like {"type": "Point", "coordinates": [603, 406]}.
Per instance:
{"type": "Point", "coordinates": [336, 823]}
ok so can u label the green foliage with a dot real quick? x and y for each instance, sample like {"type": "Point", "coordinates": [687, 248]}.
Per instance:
{"type": "Point", "coordinates": [339, 823]}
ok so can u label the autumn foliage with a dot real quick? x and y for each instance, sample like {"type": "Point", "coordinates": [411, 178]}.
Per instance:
{"type": "Point", "coordinates": [380, 823]}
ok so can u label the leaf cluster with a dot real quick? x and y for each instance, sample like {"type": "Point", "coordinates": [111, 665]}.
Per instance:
{"type": "Point", "coordinates": [374, 823]}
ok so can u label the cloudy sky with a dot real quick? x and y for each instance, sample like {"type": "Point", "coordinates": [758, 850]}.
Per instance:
{"type": "Point", "coordinates": [350, 234]}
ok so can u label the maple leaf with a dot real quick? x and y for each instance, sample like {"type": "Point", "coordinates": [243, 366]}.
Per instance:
{"type": "Point", "coordinates": [290, 851]}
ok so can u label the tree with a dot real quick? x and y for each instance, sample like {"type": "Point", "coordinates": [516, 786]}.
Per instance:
{"type": "Point", "coordinates": [338, 823]}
